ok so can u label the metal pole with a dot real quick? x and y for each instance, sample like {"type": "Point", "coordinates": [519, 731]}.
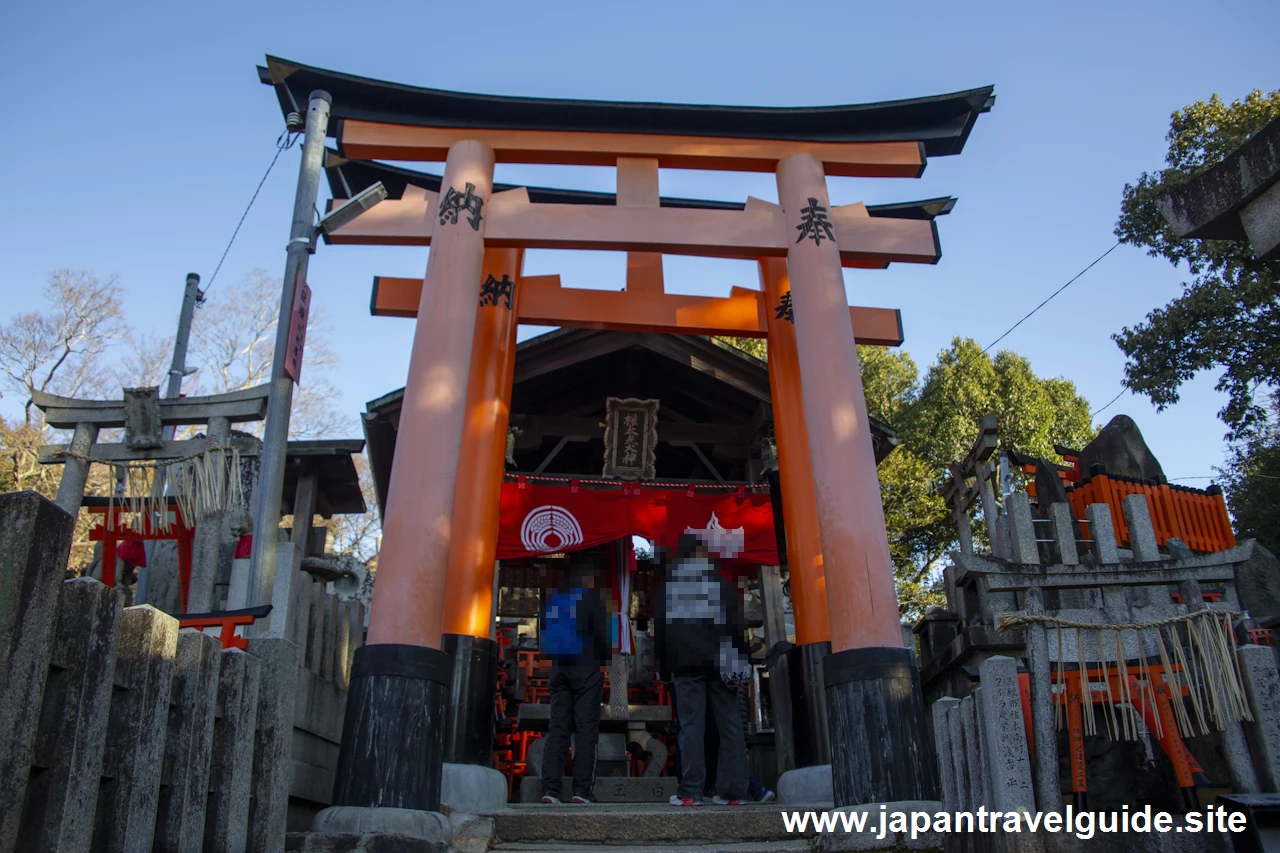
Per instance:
{"type": "Point", "coordinates": [177, 370]}
{"type": "Point", "coordinates": [275, 434]}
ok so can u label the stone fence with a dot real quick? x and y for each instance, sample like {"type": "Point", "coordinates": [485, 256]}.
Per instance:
{"type": "Point", "coordinates": [998, 740]}
{"type": "Point", "coordinates": [327, 632]}
{"type": "Point", "coordinates": [122, 732]}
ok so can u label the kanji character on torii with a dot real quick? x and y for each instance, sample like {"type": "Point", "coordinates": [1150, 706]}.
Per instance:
{"type": "Point", "coordinates": [438, 530]}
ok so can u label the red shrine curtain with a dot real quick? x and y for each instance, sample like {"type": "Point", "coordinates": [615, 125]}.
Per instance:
{"type": "Point", "coordinates": [537, 518]}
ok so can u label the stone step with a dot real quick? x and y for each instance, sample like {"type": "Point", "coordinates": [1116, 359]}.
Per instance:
{"type": "Point", "coordinates": [643, 825]}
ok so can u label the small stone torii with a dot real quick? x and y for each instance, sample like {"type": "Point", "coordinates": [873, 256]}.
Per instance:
{"type": "Point", "coordinates": [142, 413]}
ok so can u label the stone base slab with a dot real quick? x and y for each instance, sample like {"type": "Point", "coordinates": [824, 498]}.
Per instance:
{"type": "Point", "coordinates": [807, 786]}
{"type": "Point", "coordinates": [612, 789]}
{"type": "Point", "coordinates": [377, 842]}
{"type": "Point", "coordinates": [409, 823]}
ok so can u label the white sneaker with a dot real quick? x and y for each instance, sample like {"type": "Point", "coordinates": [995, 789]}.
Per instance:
{"type": "Point", "coordinates": [677, 800]}
{"type": "Point", "coordinates": [721, 801]}
{"type": "Point", "coordinates": [552, 801]}
{"type": "Point", "coordinates": [768, 796]}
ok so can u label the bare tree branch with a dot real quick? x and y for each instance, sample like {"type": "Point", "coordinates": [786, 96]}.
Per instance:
{"type": "Point", "coordinates": [60, 350]}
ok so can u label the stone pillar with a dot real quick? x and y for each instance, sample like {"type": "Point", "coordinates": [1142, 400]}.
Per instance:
{"type": "Point", "coordinates": [139, 716]}
{"type": "Point", "coordinates": [473, 545]}
{"type": "Point", "coordinates": [1064, 533]}
{"type": "Point", "coordinates": [1142, 535]}
{"type": "Point", "coordinates": [1102, 532]}
{"type": "Point", "coordinates": [188, 745]}
{"type": "Point", "coordinates": [75, 471]}
{"type": "Point", "coordinates": [1022, 530]}
{"type": "Point", "coordinates": [62, 796]}
{"type": "Point", "coordinates": [227, 817]}
{"type": "Point", "coordinates": [1235, 746]}
{"type": "Point", "coordinates": [1262, 687]}
{"type": "Point", "coordinates": [273, 741]}
{"type": "Point", "coordinates": [779, 673]}
{"type": "Point", "coordinates": [1043, 727]}
{"type": "Point", "coordinates": [959, 760]}
{"type": "Point", "coordinates": [304, 509]}
{"type": "Point", "coordinates": [35, 539]}
{"type": "Point", "coordinates": [396, 706]}
{"type": "Point", "coordinates": [206, 546]}
{"type": "Point", "coordinates": [946, 750]}
{"type": "Point", "coordinates": [880, 747]}
{"type": "Point", "coordinates": [1008, 767]}
{"type": "Point", "coordinates": [975, 766]}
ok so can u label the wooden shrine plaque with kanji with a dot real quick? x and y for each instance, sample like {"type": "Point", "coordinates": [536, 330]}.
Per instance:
{"type": "Point", "coordinates": [630, 438]}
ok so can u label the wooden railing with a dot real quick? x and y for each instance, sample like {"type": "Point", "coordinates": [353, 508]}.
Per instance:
{"type": "Point", "coordinates": [1198, 518]}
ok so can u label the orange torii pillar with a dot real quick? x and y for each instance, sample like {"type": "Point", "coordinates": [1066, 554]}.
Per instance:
{"type": "Point", "coordinates": [393, 732]}
{"type": "Point", "coordinates": [879, 741]}
{"type": "Point", "coordinates": [468, 591]}
{"type": "Point", "coordinates": [800, 517]}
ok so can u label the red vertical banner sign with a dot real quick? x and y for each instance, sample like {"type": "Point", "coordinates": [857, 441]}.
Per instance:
{"type": "Point", "coordinates": [297, 330]}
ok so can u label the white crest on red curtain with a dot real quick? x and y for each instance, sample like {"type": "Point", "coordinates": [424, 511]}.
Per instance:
{"type": "Point", "coordinates": [550, 528]}
{"type": "Point", "coordinates": [726, 543]}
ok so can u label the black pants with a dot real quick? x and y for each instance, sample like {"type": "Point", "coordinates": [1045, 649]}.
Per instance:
{"type": "Point", "coordinates": [575, 709]}
{"type": "Point", "coordinates": [694, 694]}
{"type": "Point", "coordinates": [711, 736]}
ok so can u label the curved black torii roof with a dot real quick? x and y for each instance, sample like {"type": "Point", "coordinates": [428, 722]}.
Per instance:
{"type": "Point", "coordinates": [940, 123]}
{"type": "Point", "coordinates": [349, 177]}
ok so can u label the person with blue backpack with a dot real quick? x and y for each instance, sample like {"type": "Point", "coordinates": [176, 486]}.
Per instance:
{"type": "Point", "coordinates": [573, 631]}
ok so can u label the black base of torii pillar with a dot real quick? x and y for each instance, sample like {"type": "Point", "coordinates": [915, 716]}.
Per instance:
{"type": "Point", "coordinates": [393, 741]}
{"type": "Point", "coordinates": [469, 722]}
{"type": "Point", "coordinates": [880, 749]}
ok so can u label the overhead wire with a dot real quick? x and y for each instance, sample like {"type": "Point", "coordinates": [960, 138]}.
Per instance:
{"type": "Point", "coordinates": [286, 140]}
{"type": "Point", "coordinates": [969, 362]}
{"type": "Point", "coordinates": [1123, 391]}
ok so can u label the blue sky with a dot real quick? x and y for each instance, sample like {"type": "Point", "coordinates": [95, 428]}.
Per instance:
{"type": "Point", "coordinates": [136, 134]}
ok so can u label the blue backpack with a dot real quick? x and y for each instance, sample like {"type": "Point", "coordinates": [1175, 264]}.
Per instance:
{"type": "Point", "coordinates": [559, 636]}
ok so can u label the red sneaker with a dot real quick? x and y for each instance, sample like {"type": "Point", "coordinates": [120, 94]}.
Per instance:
{"type": "Point", "coordinates": [677, 800]}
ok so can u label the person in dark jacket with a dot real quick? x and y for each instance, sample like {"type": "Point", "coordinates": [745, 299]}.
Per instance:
{"type": "Point", "coordinates": [573, 631]}
{"type": "Point", "coordinates": [701, 647]}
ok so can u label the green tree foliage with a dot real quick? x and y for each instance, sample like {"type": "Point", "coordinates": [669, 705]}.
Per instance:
{"type": "Point", "coordinates": [1251, 478]}
{"type": "Point", "coordinates": [937, 421]}
{"type": "Point", "coordinates": [759, 347]}
{"type": "Point", "coordinates": [1228, 316]}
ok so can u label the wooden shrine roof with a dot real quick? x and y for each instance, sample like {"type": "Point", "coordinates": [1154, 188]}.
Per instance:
{"type": "Point", "coordinates": [714, 406]}
{"type": "Point", "coordinates": [333, 460]}
{"type": "Point", "coordinates": [940, 124]}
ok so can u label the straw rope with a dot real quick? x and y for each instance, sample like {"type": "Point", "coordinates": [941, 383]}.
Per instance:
{"type": "Point", "coordinates": [201, 483]}
{"type": "Point", "coordinates": [1207, 665]}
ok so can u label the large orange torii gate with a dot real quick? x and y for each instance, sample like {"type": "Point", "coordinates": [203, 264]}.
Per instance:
{"type": "Point", "coordinates": [436, 526]}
